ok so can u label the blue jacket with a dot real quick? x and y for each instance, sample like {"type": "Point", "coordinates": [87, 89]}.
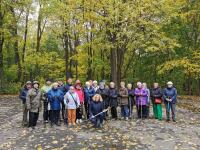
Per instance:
{"type": "Point", "coordinates": [88, 93]}
{"type": "Point", "coordinates": [55, 97]}
{"type": "Point", "coordinates": [171, 93]}
{"type": "Point", "coordinates": [95, 107]}
{"type": "Point", "coordinates": [66, 88]}
{"type": "Point", "coordinates": [23, 94]}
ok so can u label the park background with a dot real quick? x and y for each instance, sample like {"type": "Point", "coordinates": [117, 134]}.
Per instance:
{"type": "Point", "coordinates": [130, 40]}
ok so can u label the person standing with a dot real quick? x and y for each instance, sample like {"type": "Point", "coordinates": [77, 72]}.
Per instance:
{"type": "Point", "coordinates": [33, 104]}
{"type": "Point", "coordinates": [144, 85]}
{"type": "Point", "coordinates": [55, 97]}
{"type": "Point", "coordinates": [88, 93]}
{"type": "Point", "coordinates": [156, 95]}
{"type": "Point", "coordinates": [131, 99]}
{"type": "Point", "coordinates": [96, 107]}
{"type": "Point", "coordinates": [113, 95]}
{"type": "Point", "coordinates": [61, 87]}
{"type": "Point", "coordinates": [123, 94]}
{"type": "Point", "coordinates": [79, 111]}
{"type": "Point", "coordinates": [170, 99]}
{"type": "Point", "coordinates": [45, 89]}
{"type": "Point", "coordinates": [72, 102]}
{"type": "Point", "coordinates": [141, 101]}
{"type": "Point", "coordinates": [95, 86]}
{"type": "Point", "coordinates": [22, 96]}
{"type": "Point", "coordinates": [68, 85]}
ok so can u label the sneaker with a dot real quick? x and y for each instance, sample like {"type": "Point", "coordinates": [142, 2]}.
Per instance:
{"type": "Point", "coordinates": [69, 124]}
{"type": "Point", "coordinates": [80, 120]}
{"type": "Point", "coordinates": [73, 124]}
{"type": "Point", "coordinates": [174, 120]}
{"type": "Point", "coordinates": [46, 121]}
{"type": "Point", "coordinates": [57, 124]}
{"type": "Point", "coordinates": [77, 121]}
{"type": "Point", "coordinates": [126, 118]}
{"type": "Point", "coordinates": [168, 120]}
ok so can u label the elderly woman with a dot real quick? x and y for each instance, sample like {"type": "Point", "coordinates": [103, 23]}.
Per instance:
{"type": "Point", "coordinates": [156, 95]}
{"type": "Point", "coordinates": [55, 97]}
{"type": "Point", "coordinates": [72, 102]}
{"type": "Point", "coordinates": [96, 107]}
{"type": "Point", "coordinates": [123, 93]}
{"type": "Point", "coordinates": [170, 99]}
{"type": "Point", "coordinates": [144, 85]}
{"type": "Point", "coordinates": [131, 99]}
{"type": "Point", "coordinates": [113, 94]}
{"type": "Point", "coordinates": [79, 91]}
{"type": "Point", "coordinates": [141, 101]}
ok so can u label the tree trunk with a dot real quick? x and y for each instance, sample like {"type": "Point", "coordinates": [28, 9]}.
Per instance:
{"type": "Point", "coordinates": [66, 49]}
{"type": "Point", "coordinates": [1, 48]}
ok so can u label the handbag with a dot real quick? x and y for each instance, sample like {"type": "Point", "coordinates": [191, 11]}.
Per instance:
{"type": "Point", "coordinates": [158, 101]}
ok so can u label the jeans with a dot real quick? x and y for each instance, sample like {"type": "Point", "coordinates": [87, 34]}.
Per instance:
{"type": "Point", "coordinates": [98, 120]}
{"type": "Point", "coordinates": [124, 111]}
{"type": "Point", "coordinates": [170, 107]}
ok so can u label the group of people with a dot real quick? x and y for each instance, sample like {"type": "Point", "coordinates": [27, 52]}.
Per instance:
{"type": "Point", "coordinates": [94, 102]}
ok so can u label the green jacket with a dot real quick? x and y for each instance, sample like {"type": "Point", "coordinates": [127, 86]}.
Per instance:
{"type": "Point", "coordinates": [33, 100]}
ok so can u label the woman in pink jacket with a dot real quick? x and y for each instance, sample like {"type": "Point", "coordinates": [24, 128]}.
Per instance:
{"type": "Point", "coordinates": [80, 93]}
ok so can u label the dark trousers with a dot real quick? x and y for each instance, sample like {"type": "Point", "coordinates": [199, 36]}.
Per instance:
{"type": "Point", "coordinates": [79, 112]}
{"type": "Point", "coordinates": [87, 109]}
{"type": "Point", "coordinates": [97, 120]}
{"type": "Point", "coordinates": [142, 111]}
{"type": "Point", "coordinates": [114, 112]}
{"type": "Point", "coordinates": [170, 107]}
{"type": "Point", "coordinates": [46, 113]}
{"type": "Point", "coordinates": [33, 117]}
{"type": "Point", "coordinates": [55, 116]}
{"type": "Point", "coordinates": [63, 110]}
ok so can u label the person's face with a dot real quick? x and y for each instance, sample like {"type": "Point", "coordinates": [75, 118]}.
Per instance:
{"type": "Point", "coordinates": [112, 85]}
{"type": "Point", "coordinates": [72, 89]}
{"type": "Point", "coordinates": [155, 85]}
{"type": "Point", "coordinates": [48, 83]}
{"type": "Point", "coordinates": [87, 84]}
{"type": "Point", "coordinates": [169, 85]}
{"type": "Point", "coordinates": [122, 84]}
{"type": "Point", "coordinates": [55, 86]}
{"type": "Point", "coordinates": [78, 86]}
{"type": "Point", "coordinates": [60, 82]}
{"type": "Point", "coordinates": [139, 86]}
{"type": "Point", "coordinates": [97, 98]}
{"type": "Point", "coordinates": [69, 80]}
{"type": "Point", "coordinates": [36, 86]}
{"type": "Point", "coordinates": [144, 85]}
{"type": "Point", "coordinates": [28, 86]}
{"type": "Point", "coordinates": [129, 86]}
{"type": "Point", "coordinates": [95, 84]}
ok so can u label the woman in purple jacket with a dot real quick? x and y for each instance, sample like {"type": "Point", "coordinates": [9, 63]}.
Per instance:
{"type": "Point", "coordinates": [141, 101]}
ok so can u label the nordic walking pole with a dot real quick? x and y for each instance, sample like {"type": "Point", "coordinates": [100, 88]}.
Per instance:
{"type": "Point", "coordinates": [141, 108]}
{"type": "Point", "coordinates": [130, 110]}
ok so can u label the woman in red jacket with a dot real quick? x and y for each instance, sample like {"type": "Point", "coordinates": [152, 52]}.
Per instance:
{"type": "Point", "coordinates": [80, 93]}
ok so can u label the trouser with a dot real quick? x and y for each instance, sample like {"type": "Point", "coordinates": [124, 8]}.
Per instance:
{"type": "Point", "coordinates": [25, 115]}
{"type": "Point", "coordinates": [148, 110]}
{"type": "Point", "coordinates": [79, 112]}
{"type": "Point", "coordinates": [142, 111]}
{"type": "Point", "coordinates": [55, 116]}
{"type": "Point", "coordinates": [157, 111]}
{"type": "Point", "coordinates": [130, 106]}
{"type": "Point", "coordinates": [33, 117]}
{"type": "Point", "coordinates": [71, 115]}
{"type": "Point", "coordinates": [86, 109]}
{"type": "Point", "coordinates": [98, 120]}
{"type": "Point", "coordinates": [124, 111]}
{"type": "Point", "coordinates": [170, 107]}
{"type": "Point", "coordinates": [114, 112]}
{"type": "Point", "coordinates": [63, 110]}
{"type": "Point", "coordinates": [46, 113]}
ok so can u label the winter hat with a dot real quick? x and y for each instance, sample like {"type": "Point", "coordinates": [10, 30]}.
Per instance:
{"type": "Point", "coordinates": [36, 82]}
{"type": "Point", "coordinates": [28, 82]}
{"type": "Point", "coordinates": [169, 83]}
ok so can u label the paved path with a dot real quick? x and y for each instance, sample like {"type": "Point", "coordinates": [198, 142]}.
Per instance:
{"type": "Point", "coordinates": [133, 134]}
